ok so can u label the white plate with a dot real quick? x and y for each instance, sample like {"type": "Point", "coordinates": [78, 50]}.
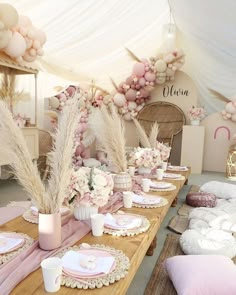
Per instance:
{"type": "Point", "coordinates": [172, 175]}
{"type": "Point", "coordinates": [160, 185]}
{"type": "Point", "coordinates": [143, 200]}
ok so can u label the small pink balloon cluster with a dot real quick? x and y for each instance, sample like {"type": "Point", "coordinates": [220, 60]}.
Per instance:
{"type": "Point", "coordinates": [19, 39]}
{"type": "Point", "coordinates": [135, 91]}
{"type": "Point", "coordinates": [57, 103]}
{"type": "Point", "coordinates": [80, 152]}
{"type": "Point", "coordinates": [229, 113]}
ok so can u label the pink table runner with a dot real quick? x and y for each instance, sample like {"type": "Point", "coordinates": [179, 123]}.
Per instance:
{"type": "Point", "coordinates": [28, 261]}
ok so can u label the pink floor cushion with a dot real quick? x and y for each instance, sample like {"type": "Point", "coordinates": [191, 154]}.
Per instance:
{"type": "Point", "coordinates": [8, 213]}
{"type": "Point", "coordinates": [201, 199]}
{"type": "Point", "coordinates": [202, 274]}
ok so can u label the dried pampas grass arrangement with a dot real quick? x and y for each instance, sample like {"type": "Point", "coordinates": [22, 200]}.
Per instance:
{"type": "Point", "coordinates": [153, 134]}
{"type": "Point", "coordinates": [108, 126]}
{"type": "Point", "coordinates": [147, 142]}
{"type": "Point", "coordinates": [48, 198]}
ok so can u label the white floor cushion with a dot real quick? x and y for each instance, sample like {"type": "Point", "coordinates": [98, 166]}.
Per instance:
{"type": "Point", "coordinates": [220, 189]}
{"type": "Point", "coordinates": [208, 241]}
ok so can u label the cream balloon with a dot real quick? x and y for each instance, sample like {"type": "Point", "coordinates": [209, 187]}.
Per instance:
{"type": "Point", "coordinates": [54, 102]}
{"type": "Point", "coordinates": [8, 15]}
{"type": "Point", "coordinates": [132, 105]}
{"type": "Point", "coordinates": [119, 99]}
{"type": "Point", "coordinates": [230, 108]}
{"type": "Point", "coordinates": [5, 37]}
{"type": "Point", "coordinates": [160, 65]}
{"type": "Point", "coordinates": [16, 46]}
{"type": "Point", "coordinates": [127, 116]}
{"type": "Point", "coordinates": [27, 57]}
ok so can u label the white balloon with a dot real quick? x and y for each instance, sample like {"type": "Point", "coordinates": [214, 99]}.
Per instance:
{"type": "Point", "coordinates": [119, 99]}
{"type": "Point", "coordinates": [132, 105]}
{"type": "Point", "coordinates": [8, 15]}
{"type": "Point", "coordinates": [230, 108]}
{"type": "Point", "coordinates": [16, 46]}
{"type": "Point", "coordinates": [5, 37]}
{"type": "Point", "coordinates": [54, 102]}
{"type": "Point", "coordinates": [160, 65]}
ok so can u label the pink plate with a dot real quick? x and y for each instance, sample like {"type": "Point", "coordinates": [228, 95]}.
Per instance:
{"type": "Point", "coordinates": [121, 217]}
{"type": "Point", "coordinates": [160, 185]}
{"type": "Point", "coordinates": [98, 253]}
{"type": "Point", "coordinates": [172, 175]}
{"type": "Point", "coordinates": [13, 235]}
{"type": "Point", "coordinates": [177, 168]}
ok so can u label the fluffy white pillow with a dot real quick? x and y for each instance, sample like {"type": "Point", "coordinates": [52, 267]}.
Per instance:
{"type": "Point", "coordinates": [220, 189]}
{"type": "Point", "coordinates": [208, 241]}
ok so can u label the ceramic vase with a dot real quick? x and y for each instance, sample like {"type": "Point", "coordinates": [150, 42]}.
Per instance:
{"type": "Point", "coordinates": [195, 122]}
{"type": "Point", "coordinates": [144, 170]}
{"type": "Point", "coordinates": [84, 212]}
{"type": "Point", "coordinates": [122, 182]}
{"type": "Point", "coordinates": [49, 230]}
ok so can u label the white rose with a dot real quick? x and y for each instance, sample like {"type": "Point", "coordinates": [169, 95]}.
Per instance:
{"type": "Point", "coordinates": [100, 180]}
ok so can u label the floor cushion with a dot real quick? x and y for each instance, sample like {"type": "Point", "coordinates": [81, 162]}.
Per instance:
{"type": "Point", "coordinates": [220, 189]}
{"type": "Point", "coordinates": [201, 199]}
{"type": "Point", "coordinates": [202, 274]}
{"type": "Point", "coordinates": [209, 242]}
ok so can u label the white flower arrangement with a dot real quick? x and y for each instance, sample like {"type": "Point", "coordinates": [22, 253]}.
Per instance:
{"type": "Point", "coordinates": [89, 187]}
{"type": "Point", "coordinates": [196, 113]}
{"type": "Point", "coordinates": [164, 150]}
{"type": "Point", "coordinates": [145, 157]}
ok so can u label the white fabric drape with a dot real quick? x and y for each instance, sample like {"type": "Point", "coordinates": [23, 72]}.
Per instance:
{"type": "Point", "coordinates": [87, 40]}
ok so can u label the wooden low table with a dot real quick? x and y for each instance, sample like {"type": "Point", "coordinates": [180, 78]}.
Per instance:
{"type": "Point", "coordinates": [134, 247]}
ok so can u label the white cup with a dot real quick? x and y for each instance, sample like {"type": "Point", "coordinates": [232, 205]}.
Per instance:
{"type": "Point", "coordinates": [131, 170]}
{"type": "Point", "coordinates": [159, 174]}
{"type": "Point", "coordinates": [97, 222]}
{"type": "Point", "coordinates": [146, 185]}
{"type": "Point", "coordinates": [128, 199]}
{"type": "Point", "coordinates": [52, 271]}
{"type": "Point", "coordinates": [164, 166]}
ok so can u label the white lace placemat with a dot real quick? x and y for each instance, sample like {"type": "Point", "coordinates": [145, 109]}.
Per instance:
{"type": "Point", "coordinates": [9, 255]}
{"type": "Point", "coordinates": [120, 271]}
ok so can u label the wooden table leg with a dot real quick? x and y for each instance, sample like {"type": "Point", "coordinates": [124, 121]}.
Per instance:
{"type": "Point", "coordinates": [186, 182]}
{"type": "Point", "coordinates": [175, 202]}
{"type": "Point", "coordinates": [151, 248]}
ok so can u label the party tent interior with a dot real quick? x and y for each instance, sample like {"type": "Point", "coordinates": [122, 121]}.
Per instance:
{"type": "Point", "coordinates": [117, 133]}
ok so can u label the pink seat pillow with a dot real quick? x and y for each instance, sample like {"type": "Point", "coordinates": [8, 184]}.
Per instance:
{"type": "Point", "coordinates": [201, 199]}
{"type": "Point", "coordinates": [202, 274]}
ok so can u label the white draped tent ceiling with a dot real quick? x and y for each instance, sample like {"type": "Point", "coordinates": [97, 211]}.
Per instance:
{"type": "Point", "coordinates": [86, 40]}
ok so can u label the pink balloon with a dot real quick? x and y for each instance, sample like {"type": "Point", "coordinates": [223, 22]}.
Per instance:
{"type": "Point", "coordinates": [32, 52]}
{"type": "Point", "coordinates": [129, 80]}
{"type": "Point", "coordinates": [144, 92]}
{"type": "Point", "coordinates": [62, 97]}
{"type": "Point", "coordinates": [40, 36]}
{"type": "Point", "coordinates": [71, 90]}
{"type": "Point", "coordinates": [24, 21]}
{"type": "Point", "coordinates": [139, 69]}
{"type": "Point", "coordinates": [23, 31]}
{"type": "Point", "coordinates": [79, 149]}
{"type": "Point", "coordinates": [142, 81]}
{"type": "Point", "coordinates": [150, 77]}
{"type": "Point", "coordinates": [16, 46]}
{"type": "Point", "coordinates": [36, 44]}
{"type": "Point", "coordinates": [130, 95]}
{"type": "Point", "coordinates": [27, 57]}
{"type": "Point", "coordinates": [40, 51]}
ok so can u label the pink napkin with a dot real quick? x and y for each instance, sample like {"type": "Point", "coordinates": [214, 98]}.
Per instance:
{"type": "Point", "coordinates": [114, 203]}
{"type": "Point", "coordinates": [29, 260]}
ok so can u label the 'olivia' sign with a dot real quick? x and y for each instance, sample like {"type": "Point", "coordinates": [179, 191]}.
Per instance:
{"type": "Point", "coordinates": [170, 90]}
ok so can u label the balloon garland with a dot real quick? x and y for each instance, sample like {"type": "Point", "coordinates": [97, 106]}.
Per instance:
{"type": "Point", "coordinates": [19, 39]}
{"type": "Point", "coordinates": [130, 96]}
